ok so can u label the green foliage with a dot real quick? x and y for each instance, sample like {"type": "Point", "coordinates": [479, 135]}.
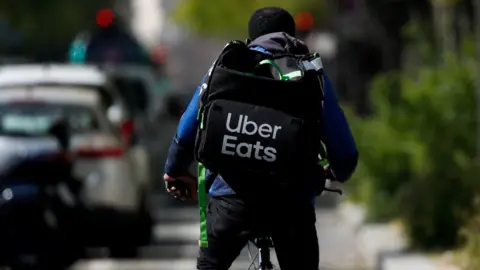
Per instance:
{"type": "Point", "coordinates": [229, 18]}
{"type": "Point", "coordinates": [418, 151]}
{"type": "Point", "coordinates": [470, 253]}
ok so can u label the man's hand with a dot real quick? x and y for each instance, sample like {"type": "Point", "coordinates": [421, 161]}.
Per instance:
{"type": "Point", "coordinates": [183, 187]}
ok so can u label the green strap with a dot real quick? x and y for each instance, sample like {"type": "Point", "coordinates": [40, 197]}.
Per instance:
{"type": "Point", "coordinates": [200, 117]}
{"type": "Point", "coordinates": [271, 63]}
{"type": "Point", "coordinates": [285, 77]}
{"type": "Point", "coordinates": [292, 75]}
{"type": "Point", "coordinates": [323, 162]}
{"type": "Point", "coordinates": [202, 204]}
{"type": "Point", "coordinates": [322, 156]}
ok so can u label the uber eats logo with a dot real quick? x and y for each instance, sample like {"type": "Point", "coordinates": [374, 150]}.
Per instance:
{"type": "Point", "coordinates": [242, 126]}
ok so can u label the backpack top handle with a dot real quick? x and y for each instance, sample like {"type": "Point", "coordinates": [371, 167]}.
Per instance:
{"type": "Point", "coordinates": [283, 77]}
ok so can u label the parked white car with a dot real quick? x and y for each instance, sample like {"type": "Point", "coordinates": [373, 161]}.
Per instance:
{"type": "Point", "coordinates": [111, 165]}
{"type": "Point", "coordinates": [88, 78]}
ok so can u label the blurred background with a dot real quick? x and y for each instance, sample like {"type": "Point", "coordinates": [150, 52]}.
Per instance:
{"type": "Point", "coordinates": [120, 72]}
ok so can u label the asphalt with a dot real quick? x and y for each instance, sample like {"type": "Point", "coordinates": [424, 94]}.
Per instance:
{"type": "Point", "coordinates": [176, 241]}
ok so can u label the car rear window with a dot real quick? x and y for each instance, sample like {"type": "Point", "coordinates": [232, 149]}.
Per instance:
{"type": "Point", "coordinates": [36, 118]}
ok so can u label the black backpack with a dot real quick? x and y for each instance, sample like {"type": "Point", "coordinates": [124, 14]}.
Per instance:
{"type": "Point", "coordinates": [257, 122]}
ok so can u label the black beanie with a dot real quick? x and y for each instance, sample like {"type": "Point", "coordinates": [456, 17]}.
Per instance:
{"type": "Point", "coordinates": [270, 20]}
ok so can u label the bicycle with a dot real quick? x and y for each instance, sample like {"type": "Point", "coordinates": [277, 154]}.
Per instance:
{"type": "Point", "coordinates": [263, 243]}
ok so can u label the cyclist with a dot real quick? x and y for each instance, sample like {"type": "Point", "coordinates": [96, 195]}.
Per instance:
{"type": "Point", "coordinates": [232, 216]}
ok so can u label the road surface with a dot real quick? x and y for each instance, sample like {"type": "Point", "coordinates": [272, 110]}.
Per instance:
{"type": "Point", "coordinates": [176, 238]}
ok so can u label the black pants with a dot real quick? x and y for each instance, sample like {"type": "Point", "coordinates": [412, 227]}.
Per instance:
{"type": "Point", "coordinates": [231, 222]}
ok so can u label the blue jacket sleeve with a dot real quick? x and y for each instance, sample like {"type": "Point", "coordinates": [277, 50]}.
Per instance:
{"type": "Point", "coordinates": [181, 152]}
{"type": "Point", "coordinates": [338, 139]}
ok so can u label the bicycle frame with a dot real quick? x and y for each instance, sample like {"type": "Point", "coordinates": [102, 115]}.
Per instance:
{"type": "Point", "coordinates": [263, 244]}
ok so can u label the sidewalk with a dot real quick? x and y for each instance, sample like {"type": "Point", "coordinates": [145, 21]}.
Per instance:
{"type": "Point", "coordinates": [381, 246]}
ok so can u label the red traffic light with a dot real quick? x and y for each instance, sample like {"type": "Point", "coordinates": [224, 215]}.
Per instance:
{"type": "Point", "coordinates": [105, 17]}
{"type": "Point", "coordinates": [304, 21]}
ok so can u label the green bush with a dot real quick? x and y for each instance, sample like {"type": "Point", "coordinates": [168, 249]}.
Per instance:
{"type": "Point", "coordinates": [418, 151]}
{"type": "Point", "coordinates": [470, 253]}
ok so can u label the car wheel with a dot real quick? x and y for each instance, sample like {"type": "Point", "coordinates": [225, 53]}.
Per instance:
{"type": "Point", "coordinates": [54, 252]}
{"type": "Point", "coordinates": [144, 225]}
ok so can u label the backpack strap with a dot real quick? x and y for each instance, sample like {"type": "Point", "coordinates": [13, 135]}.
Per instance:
{"type": "Point", "coordinates": [315, 64]}
{"type": "Point", "coordinates": [283, 77]}
{"type": "Point", "coordinates": [202, 205]}
{"type": "Point", "coordinates": [204, 184]}
{"type": "Point", "coordinates": [271, 63]}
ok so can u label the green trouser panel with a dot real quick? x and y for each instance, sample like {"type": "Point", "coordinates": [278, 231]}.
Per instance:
{"type": "Point", "coordinates": [202, 204]}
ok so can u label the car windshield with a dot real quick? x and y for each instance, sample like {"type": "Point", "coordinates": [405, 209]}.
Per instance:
{"type": "Point", "coordinates": [30, 119]}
